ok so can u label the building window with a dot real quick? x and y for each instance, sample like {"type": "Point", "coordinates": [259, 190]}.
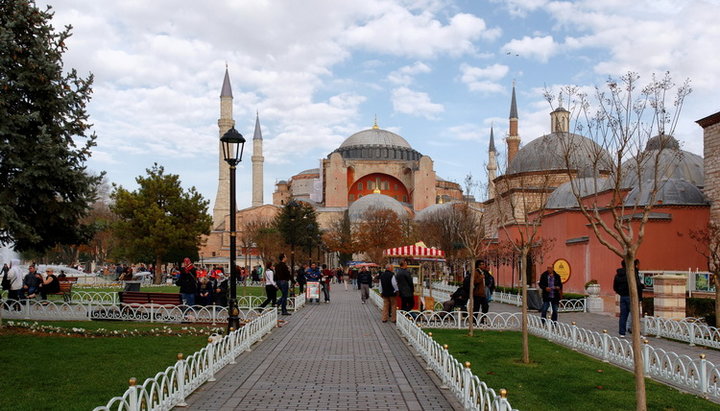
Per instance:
{"type": "Point", "coordinates": [385, 185]}
{"type": "Point", "coordinates": [371, 185]}
{"type": "Point", "coordinates": [351, 197]}
{"type": "Point", "coordinates": [359, 196]}
{"type": "Point", "coordinates": [396, 187]}
{"type": "Point", "coordinates": [404, 199]}
{"type": "Point", "coordinates": [360, 186]}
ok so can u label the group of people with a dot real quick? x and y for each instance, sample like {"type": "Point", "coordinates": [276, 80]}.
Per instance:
{"type": "Point", "coordinates": [29, 284]}
{"type": "Point", "coordinates": [200, 287]}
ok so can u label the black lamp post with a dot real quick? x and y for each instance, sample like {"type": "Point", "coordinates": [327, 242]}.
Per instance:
{"type": "Point", "coordinates": [233, 144]}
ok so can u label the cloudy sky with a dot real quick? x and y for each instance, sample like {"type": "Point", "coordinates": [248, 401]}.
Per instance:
{"type": "Point", "coordinates": [437, 72]}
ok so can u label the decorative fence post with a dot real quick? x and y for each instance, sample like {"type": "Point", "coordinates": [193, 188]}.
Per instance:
{"type": "Point", "coordinates": [691, 332]}
{"type": "Point", "coordinates": [573, 335]}
{"type": "Point", "coordinates": [646, 357]}
{"type": "Point", "coordinates": [467, 377]}
{"type": "Point", "coordinates": [181, 380]}
{"type": "Point", "coordinates": [133, 400]}
{"type": "Point", "coordinates": [704, 383]}
{"type": "Point", "coordinates": [605, 343]}
{"type": "Point", "coordinates": [211, 358]}
{"type": "Point", "coordinates": [444, 377]}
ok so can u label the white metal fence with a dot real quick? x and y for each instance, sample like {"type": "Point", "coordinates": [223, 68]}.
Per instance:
{"type": "Point", "coordinates": [566, 305]}
{"type": "Point", "coordinates": [170, 388]}
{"type": "Point", "coordinates": [685, 330]}
{"type": "Point", "coordinates": [100, 306]}
{"type": "Point", "coordinates": [696, 375]}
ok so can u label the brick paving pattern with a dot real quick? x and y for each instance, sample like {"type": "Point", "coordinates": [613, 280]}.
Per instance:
{"type": "Point", "coordinates": [336, 356]}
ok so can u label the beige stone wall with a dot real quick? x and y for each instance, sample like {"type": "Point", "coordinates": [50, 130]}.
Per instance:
{"type": "Point", "coordinates": [711, 134]}
{"type": "Point", "coordinates": [424, 180]}
{"type": "Point", "coordinates": [670, 296]}
{"type": "Point", "coordinates": [281, 195]}
{"type": "Point", "coordinates": [218, 242]}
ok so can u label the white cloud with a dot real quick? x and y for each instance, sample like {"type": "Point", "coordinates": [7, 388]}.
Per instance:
{"type": "Point", "coordinates": [415, 103]}
{"type": "Point", "coordinates": [483, 79]}
{"type": "Point", "coordinates": [538, 48]}
{"type": "Point", "coordinates": [521, 8]}
{"type": "Point", "coordinates": [404, 75]}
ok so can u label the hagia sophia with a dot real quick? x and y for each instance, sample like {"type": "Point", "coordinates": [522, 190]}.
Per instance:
{"type": "Point", "coordinates": [378, 168]}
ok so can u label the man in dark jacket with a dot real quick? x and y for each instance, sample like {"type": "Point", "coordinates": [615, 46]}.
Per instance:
{"type": "Point", "coordinates": [364, 282]}
{"type": "Point", "coordinates": [622, 288]}
{"type": "Point", "coordinates": [388, 291]}
{"type": "Point", "coordinates": [405, 287]}
{"type": "Point", "coordinates": [282, 279]}
{"type": "Point", "coordinates": [551, 286]}
{"type": "Point", "coordinates": [187, 280]}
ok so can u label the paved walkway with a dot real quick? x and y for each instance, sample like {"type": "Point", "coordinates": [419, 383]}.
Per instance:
{"type": "Point", "coordinates": [600, 322]}
{"type": "Point", "coordinates": [336, 356]}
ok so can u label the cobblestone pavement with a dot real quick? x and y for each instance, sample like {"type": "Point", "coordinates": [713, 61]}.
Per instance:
{"type": "Point", "coordinates": [600, 322]}
{"type": "Point", "coordinates": [336, 356]}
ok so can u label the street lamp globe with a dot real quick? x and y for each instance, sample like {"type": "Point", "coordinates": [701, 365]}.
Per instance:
{"type": "Point", "coordinates": [233, 145]}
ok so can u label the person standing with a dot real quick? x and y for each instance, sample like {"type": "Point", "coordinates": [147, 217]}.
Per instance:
{"type": "Point", "coordinates": [313, 275]}
{"type": "Point", "coordinates": [270, 286]}
{"type": "Point", "coordinates": [15, 277]}
{"type": "Point", "coordinates": [405, 287]}
{"type": "Point", "coordinates": [327, 276]}
{"type": "Point", "coordinates": [300, 278]}
{"type": "Point", "coordinates": [388, 292]}
{"type": "Point", "coordinates": [282, 279]}
{"type": "Point", "coordinates": [551, 286]}
{"type": "Point", "coordinates": [364, 280]}
{"type": "Point", "coordinates": [187, 280]}
{"type": "Point", "coordinates": [220, 288]}
{"type": "Point", "coordinates": [479, 293]}
{"type": "Point", "coordinates": [622, 288]}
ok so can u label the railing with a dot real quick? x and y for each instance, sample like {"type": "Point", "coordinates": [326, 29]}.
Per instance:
{"type": "Point", "coordinates": [689, 331]}
{"type": "Point", "coordinates": [171, 387]}
{"type": "Point", "coordinates": [566, 305]}
{"type": "Point", "coordinates": [699, 375]}
{"type": "Point", "coordinates": [101, 309]}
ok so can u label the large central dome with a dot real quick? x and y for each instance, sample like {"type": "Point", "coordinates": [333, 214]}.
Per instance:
{"type": "Point", "coordinates": [377, 144]}
{"type": "Point", "coordinates": [375, 137]}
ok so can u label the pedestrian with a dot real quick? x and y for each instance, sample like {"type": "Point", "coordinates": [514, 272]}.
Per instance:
{"type": "Point", "coordinates": [300, 278]}
{"type": "Point", "coordinates": [405, 287]}
{"type": "Point", "coordinates": [313, 275]}
{"type": "Point", "coordinates": [15, 276]}
{"type": "Point", "coordinates": [220, 287]}
{"type": "Point", "coordinates": [346, 278]}
{"type": "Point", "coordinates": [270, 286]}
{"type": "Point", "coordinates": [551, 286]}
{"type": "Point", "coordinates": [327, 276]}
{"type": "Point", "coordinates": [282, 279]}
{"type": "Point", "coordinates": [479, 293]}
{"type": "Point", "coordinates": [388, 292]}
{"type": "Point", "coordinates": [364, 280]}
{"type": "Point", "coordinates": [622, 288]}
{"type": "Point", "coordinates": [187, 280]}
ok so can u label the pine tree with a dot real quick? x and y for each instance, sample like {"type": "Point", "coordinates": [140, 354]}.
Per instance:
{"type": "Point", "coordinates": [160, 221]}
{"type": "Point", "coordinates": [45, 188]}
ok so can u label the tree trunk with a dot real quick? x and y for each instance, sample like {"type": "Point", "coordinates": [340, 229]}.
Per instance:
{"type": "Point", "coordinates": [471, 302]}
{"type": "Point", "coordinates": [524, 308]}
{"type": "Point", "coordinates": [157, 278]}
{"type": "Point", "coordinates": [638, 366]}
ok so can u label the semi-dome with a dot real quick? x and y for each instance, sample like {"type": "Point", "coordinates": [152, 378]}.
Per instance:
{"type": "Point", "coordinates": [548, 153]}
{"type": "Point", "coordinates": [671, 163]}
{"type": "Point", "coordinates": [378, 201]}
{"type": "Point", "coordinates": [671, 191]}
{"type": "Point", "coordinates": [377, 144]}
{"type": "Point", "coordinates": [429, 211]}
{"type": "Point", "coordinates": [564, 197]}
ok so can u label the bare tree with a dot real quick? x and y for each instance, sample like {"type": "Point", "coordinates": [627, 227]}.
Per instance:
{"type": "Point", "coordinates": [631, 127]}
{"type": "Point", "coordinates": [379, 229]}
{"type": "Point", "coordinates": [707, 242]}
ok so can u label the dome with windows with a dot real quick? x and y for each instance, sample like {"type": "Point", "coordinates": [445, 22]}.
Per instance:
{"type": "Point", "coordinates": [377, 144]}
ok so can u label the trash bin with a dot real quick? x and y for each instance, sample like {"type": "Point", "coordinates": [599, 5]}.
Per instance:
{"type": "Point", "coordinates": [534, 300]}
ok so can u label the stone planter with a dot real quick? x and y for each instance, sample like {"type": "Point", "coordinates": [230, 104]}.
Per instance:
{"type": "Point", "coordinates": [594, 302]}
{"type": "Point", "coordinates": [593, 290]}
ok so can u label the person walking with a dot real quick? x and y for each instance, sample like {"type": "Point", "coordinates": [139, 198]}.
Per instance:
{"type": "Point", "coordinates": [388, 292]}
{"type": "Point", "coordinates": [270, 286]}
{"type": "Point", "coordinates": [300, 278]}
{"type": "Point", "coordinates": [551, 286]}
{"type": "Point", "coordinates": [282, 279]}
{"type": "Point", "coordinates": [405, 287]}
{"type": "Point", "coordinates": [327, 276]}
{"type": "Point", "coordinates": [313, 275]}
{"type": "Point", "coordinates": [364, 280]}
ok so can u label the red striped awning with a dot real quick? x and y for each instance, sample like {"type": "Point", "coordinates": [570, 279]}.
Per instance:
{"type": "Point", "coordinates": [414, 251]}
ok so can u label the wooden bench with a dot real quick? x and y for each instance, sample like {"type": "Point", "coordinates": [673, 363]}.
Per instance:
{"type": "Point", "coordinates": [65, 289]}
{"type": "Point", "coordinates": [141, 298]}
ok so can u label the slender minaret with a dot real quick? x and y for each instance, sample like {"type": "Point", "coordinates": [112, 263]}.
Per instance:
{"type": "Point", "coordinates": [225, 122]}
{"type": "Point", "coordinates": [513, 138]}
{"type": "Point", "coordinates": [257, 165]}
{"type": "Point", "coordinates": [492, 165]}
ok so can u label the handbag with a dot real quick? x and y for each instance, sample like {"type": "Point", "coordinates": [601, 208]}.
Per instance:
{"type": "Point", "coordinates": [5, 282]}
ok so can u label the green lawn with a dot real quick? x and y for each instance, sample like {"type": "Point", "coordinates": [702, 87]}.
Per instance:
{"type": "Point", "coordinates": [77, 373]}
{"type": "Point", "coordinates": [557, 378]}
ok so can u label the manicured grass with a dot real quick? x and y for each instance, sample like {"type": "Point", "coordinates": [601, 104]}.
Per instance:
{"type": "Point", "coordinates": [557, 378]}
{"type": "Point", "coordinates": [77, 373]}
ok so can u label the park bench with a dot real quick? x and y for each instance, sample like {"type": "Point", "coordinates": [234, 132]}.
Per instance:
{"type": "Point", "coordinates": [65, 289]}
{"type": "Point", "coordinates": [135, 298]}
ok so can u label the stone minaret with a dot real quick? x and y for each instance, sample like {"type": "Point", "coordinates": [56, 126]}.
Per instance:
{"type": "Point", "coordinates": [257, 165]}
{"type": "Point", "coordinates": [492, 165]}
{"type": "Point", "coordinates": [513, 138]}
{"type": "Point", "coordinates": [225, 122]}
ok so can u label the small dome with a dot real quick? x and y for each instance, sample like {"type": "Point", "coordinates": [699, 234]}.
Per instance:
{"type": "Point", "coordinates": [427, 212]}
{"type": "Point", "coordinates": [563, 196]}
{"type": "Point", "coordinates": [310, 171]}
{"type": "Point", "coordinates": [375, 137]}
{"type": "Point", "coordinates": [672, 191]}
{"type": "Point", "coordinates": [671, 163]}
{"type": "Point", "coordinates": [548, 153]}
{"type": "Point", "coordinates": [377, 201]}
